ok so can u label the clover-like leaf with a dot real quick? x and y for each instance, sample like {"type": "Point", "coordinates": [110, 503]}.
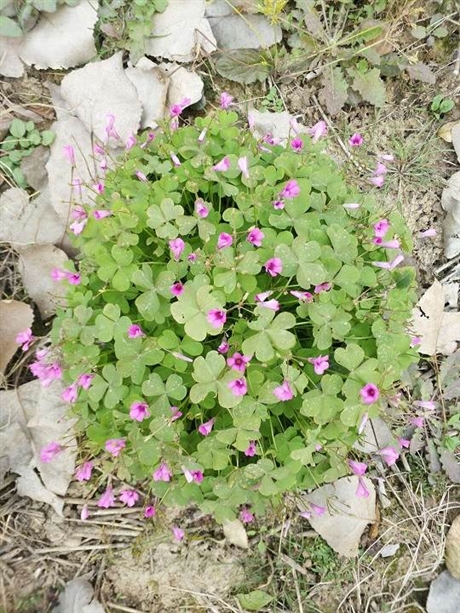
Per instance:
{"type": "Point", "coordinates": [149, 303]}
{"type": "Point", "coordinates": [210, 378]}
{"type": "Point", "coordinates": [350, 357]}
{"type": "Point", "coordinates": [162, 217]}
{"type": "Point", "coordinates": [271, 334]}
{"type": "Point", "coordinates": [301, 259]}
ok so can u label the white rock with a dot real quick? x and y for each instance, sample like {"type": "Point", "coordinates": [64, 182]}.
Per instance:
{"type": "Point", "coordinates": [62, 39]}
{"type": "Point", "coordinates": [183, 83]}
{"type": "Point", "coordinates": [99, 89]}
{"type": "Point", "coordinates": [444, 594]}
{"type": "Point", "coordinates": [250, 32]}
{"type": "Point", "coordinates": [181, 31]}
{"type": "Point", "coordinates": [15, 317]}
{"type": "Point", "coordinates": [278, 125]}
{"type": "Point", "coordinates": [10, 62]}
{"type": "Point", "coordinates": [152, 86]}
{"type": "Point", "coordinates": [450, 202]}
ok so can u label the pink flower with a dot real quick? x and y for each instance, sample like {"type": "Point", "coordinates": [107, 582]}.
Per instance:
{"type": "Point", "coordinates": [141, 176]}
{"type": "Point", "coordinates": [273, 304]}
{"type": "Point", "coordinates": [200, 208]}
{"type": "Point", "coordinates": [271, 140]}
{"type": "Point", "coordinates": [103, 165]}
{"type": "Point", "coordinates": [238, 362]}
{"type": "Point", "coordinates": [130, 143]}
{"type": "Point", "coordinates": [58, 275]}
{"type": "Point", "coordinates": [251, 450]}
{"type": "Point", "coordinates": [177, 246]}
{"type": "Point", "coordinates": [191, 476]}
{"type": "Point", "coordinates": [50, 451]}
{"type": "Point", "coordinates": [224, 240]}
{"type": "Point", "coordinates": [393, 244]}
{"type": "Point", "coordinates": [139, 411]}
{"type": "Point", "coordinates": [83, 472]}
{"type": "Point", "coordinates": [290, 190]}
{"type": "Point", "coordinates": [77, 227]}
{"type": "Point", "coordinates": [177, 289]}
{"type": "Point", "coordinates": [78, 213]}
{"type": "Point", "coordinates": [278, 204]}
{"type": "Point", "coordinates": [358, 468]}
{"type": "Point", "coordinates": [428, 233]}
{"type": "Point", "coordinates": [175, 160]}
{"type": "Point", "coordinates": [274, 266]}
{"type": "Point", "coordinates": [115, 445]}
{"type": "Point", "coordinates": [25, 339]}
{"type": "Point", "coordinates": [361, 490]}
{"type": "Point", "coordinates": [415, 341]}
{"type": "Point", "coordinates": [356, 140]}
{"type": "Point", "coordinates": [69, 152]}
{"type": "Point", "coordinates": [246, 516]}
{"type": "Point", "coordinates": [425, 404]}
{"type": "Point", "coordinates": [316, 509]}
{"type": "Point", "coordinates": [225, 100]}
{"type": "Point", "coordinates": [85, 381]}
{"type": "Point", "coordinates": [238, 387]}
{"type": "Point", "coordinates": [417, 421]}
{"type": "Point", "coordinates": [284, 391]}
{"type": "Point", "coordinates": [216, 317]}
{"type": "Point", "coordinates": [223, 347]}
{"type": "Point", "coordinates": [99, 187]}
{"type": "Point", "coordinates": [223, 165]}
{"type": "Point", "coordinates": [389, 455]}
{"type": "Point", "coordinates": [381, 228]}
{"type": "Point", "coordinates": [162, 473]}
{"type": "Point", "coordinates": [320, 364]}
{"type": "Point", "coordinates": [70, 394]}
{"type": "Point", "coordinates": [149, 512]}
{"type": "Point", "coordinates": [369, 393]}
{"type": "Point", "coordinates": [297, 144]}
{"type": "Point", "coordinates": [378, 181]}
{"type": "Point", "coordinates": [302, 296]}
{"type": "Point", "coordinates": [243, 166]}
{"type": "Point", "coordinates": [84, 513]}
{"type": "Point", "coordinates": [206, 428]}
{"type": "Point", "coordinates": [351, 206]}
{"type": "Point", "coordinates": [135, 331]}
{"type": "Point", "coordinates": [192, 257]}
{"type": "Point", "coordinates": [73, 278]}
{"type": "Point", "coordinates": [202, 135]}
{"type": "Point", "coordinates": [98, 150]}
{"type": "Point", "coordinates": [129, 497]}
{"type": "Point", "coordinates": [76, 185]}
{"type": "Point", "coordinates": [178, 534]}
{"type": "Point", "coordinates": [109, 129]}
{"type": "Point", "coordinates": [318, 130]}
{"type": "Point", "coordinates": [380, 169]}
{"type": "Point", "coordinates": [404, 443]}
{"type": "Point", "coordinates": [390, 265]}
{"type": "Point", "coordinates": [176, 109]}
{"type": "Point", "coordinates": [255, 237]}
{"type": "Point", "coordinates": [101, 214]}
{"type": "Point", "coordinates": [323, 287]}
{"type": "Point", "coordinates": [107, 499]}
{"type": "Point", "coordinates": [175, 413]}
{"type": "Point", "coordinates": [262, 296]}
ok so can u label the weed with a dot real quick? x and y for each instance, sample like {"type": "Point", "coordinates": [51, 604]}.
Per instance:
{"type": "Point", "coordinates": [22, 139]}
{"type": "Point", "coordinates": [440, 106]}
{"type": "Point", "coordinates": [273, 101]}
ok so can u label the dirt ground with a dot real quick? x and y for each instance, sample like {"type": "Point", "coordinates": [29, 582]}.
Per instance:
{"type": "Point", "coordinates": [138, 569]}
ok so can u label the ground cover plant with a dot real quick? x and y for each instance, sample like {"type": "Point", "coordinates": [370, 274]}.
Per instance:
{"type": "Point", "coordinates": [238, 314]}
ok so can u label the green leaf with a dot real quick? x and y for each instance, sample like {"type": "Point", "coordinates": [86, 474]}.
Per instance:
{"type": "Point", "coordinates": [350, 357]}
{"type": "Point", "coordinates": [9, 28]}
{"type": "Point", "coordinates": [192, 307]}
{"type": "Point", "coordinates": [244, 66]}
{"type": "Point", "coordinates": [161, 218]}
{"type": "Point", "coordinates": [369, 85]}
{"type": "Point", "coordinates": [272, 333]}
{"type": "Point", "coordinates": [254, 601]}
{"type": "Point", "coordinates": [17, 127]}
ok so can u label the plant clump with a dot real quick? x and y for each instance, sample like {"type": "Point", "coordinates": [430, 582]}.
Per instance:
{"type": "Point", "coordinates": [238, 313]}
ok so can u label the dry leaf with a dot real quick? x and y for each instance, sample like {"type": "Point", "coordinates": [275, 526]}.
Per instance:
{"type": "Point", "coordinates": [36, 264]}
{"type": "Point", "coordinates": [439, 331]}
{"type": "Point", "coordinates": [152, 86]}
{"type": "Point", "coordinates": [62, 39]}
{"type": "Point", "coordinates": [78, 597]}
{"type": "Point", "coordinates": [10, 62]}
{"type": "Point", "coordinates": [250, 32]}
{"type": "Point", "coordinates": [235, 533]}
{"type": "Point", "coordinates": [456, 138]}
{"type": "Point", "coordinates": [15, 317]}
{"type": "Point", "coordinates": [453, 549]}
{"type": "Point", "coordinates": [445, 131]}
{"type": "Point", "coordinates": [33, 168]}
{"type": "Point", "coordinates": [24, 222]}
{"type": "Point", "coordinates": [421, 72]}
{"type": "Point", "coordinates": [376, 435]}
{"type": "Point", "coordinates": [32, 416]}
{"type": "Point", "coordinates": [346, 515]}
{"type": "Point", "coordinates": [451, 465]}
{"type": "Point", "coordinates": [334, 91]}
{"type": "Point", "coordinates": [444, 594]}
{"type": "Point", "coordinates": [99, 89]}
{"type": "Point", "coordinates": [180, 32]}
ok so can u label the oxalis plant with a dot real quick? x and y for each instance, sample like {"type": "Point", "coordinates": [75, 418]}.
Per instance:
{"type": "Point", "coordinates": [236, 315]}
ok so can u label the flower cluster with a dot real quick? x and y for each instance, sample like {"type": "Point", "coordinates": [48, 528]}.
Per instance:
{"type": "Point", "coordinates": [237, 317]}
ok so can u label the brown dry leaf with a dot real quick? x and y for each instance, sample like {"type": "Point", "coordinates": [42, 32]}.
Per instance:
{"type": "Point", "coordinates": [451, 465]}
{"type": "Point", "coordinates": [445, 131]}
{"type": "Point", "coordinates": [421, 72]}
{"type": "Point", "coordinates": [439, 330]}
{"type": "Point", "coordinates": [36, 264]}
{"type": "Point", "coordinates": [15, 317]}
{"type": "Point", "coordinates": [453, 549]}
{"type": "Point", "coordinates": [235, 533]}
{"type": "Point", "coordinates": [346, 515]}
{"type": "Point", "coordinates": [32, 416]}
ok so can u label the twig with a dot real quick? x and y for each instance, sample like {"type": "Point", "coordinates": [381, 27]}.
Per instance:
{"type": "Point", "coordinates": [119, 607]}
{"type": "Point", "coordinates": [81, 548]}
{"type": "Point", "coordinates": [297, 590]}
